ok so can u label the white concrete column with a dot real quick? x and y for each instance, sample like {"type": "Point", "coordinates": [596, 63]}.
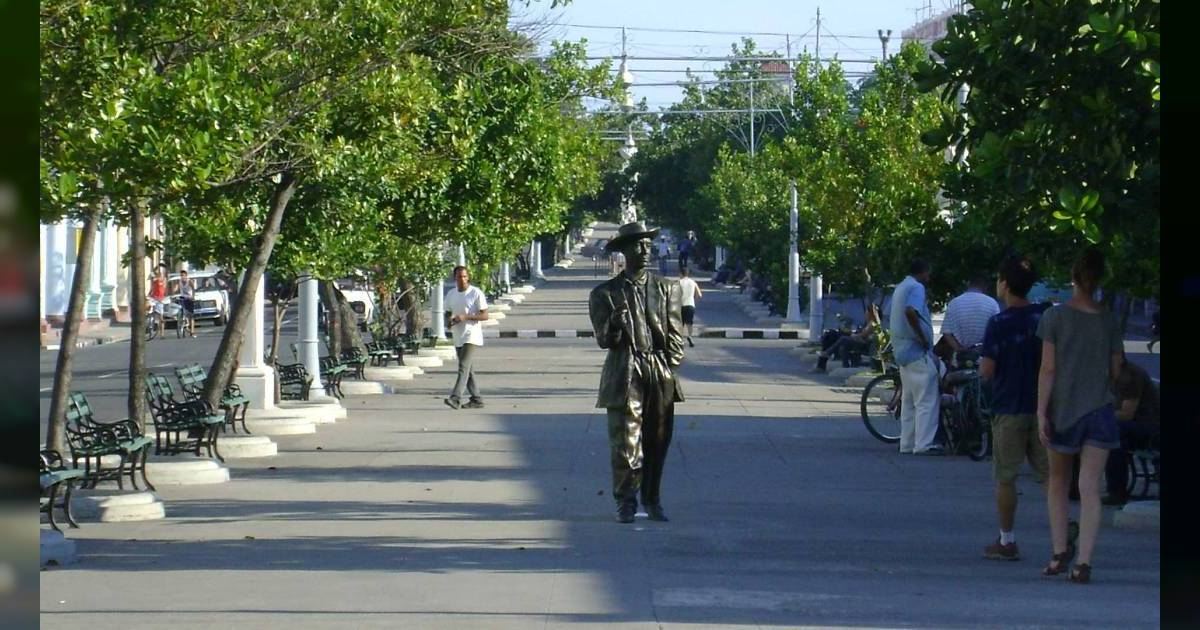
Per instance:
{"type": "Point", "coordinates": [720, 256]}
{"type": "Point", "coordinates": [793, 303]}
{"type": "Point", "coordinates": [568, 245]}
{"type": "Point", "coordinates": [310, 337]}
{"type": "Point", "coordinates": [504, 275]}
{"type": "Point", "coordinates": [121, 293]}
{"type": "Point", "coordinates": [56, 270]}
{"type": "Point", "coordinates": [42, 253]}
{"type": "Point", "coordinates": [462, 255]}
{"type": "Point", "coordinates": [256, 378]}
{"type": "Point", "coordinates": [97, 269]}
{"type": "Point", "coordinates": [816, 306]}
{"type": "Point", "coordinates": [536, 260]}
{"type": "Point", "coordinates": [437, 319]}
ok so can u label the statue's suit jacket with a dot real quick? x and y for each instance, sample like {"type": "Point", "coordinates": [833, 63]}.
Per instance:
{"type": "Point", "coordinates": [664, 316]}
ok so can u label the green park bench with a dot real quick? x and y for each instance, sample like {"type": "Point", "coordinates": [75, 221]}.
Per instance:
{"type": "Point", "coordinates": [294, 381]}
{"type": "Point", "coordinates": [382, 353]}
{"type": "Point", "coordinates": [53, 476]}
{"type": "Point", "coordinates": [90, 440]}
{"type": "Point", "coordinates": [355, 361]}
{"type": "Point", "coordinates": [332, 372]}
{"type": "Point", "coordinates": [182, 426]}
{"type": "Point", "coordinates": [192, 379]}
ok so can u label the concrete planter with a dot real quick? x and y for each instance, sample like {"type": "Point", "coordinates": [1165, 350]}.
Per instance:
{"type": "Point", "coordinates": [112, 506]}
{"type": "Point", "coordinates": [55, 549]}
{"type": "Point", "coordinates": [499, 307]}
{"type": "Point", "coordinates": [524, 289]}
{"type": "Point", "coordinates": [185, 470]}
{"type": "Point", "coordinates": [1138, 515]}
{"type": "Point", "coordinates": [496, 315]}
{"type": "Point", "coordinates": [491, 322]}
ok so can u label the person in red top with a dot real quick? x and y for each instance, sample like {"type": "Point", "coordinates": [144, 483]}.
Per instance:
{"type": "Point", "coordinates": [158, 295]}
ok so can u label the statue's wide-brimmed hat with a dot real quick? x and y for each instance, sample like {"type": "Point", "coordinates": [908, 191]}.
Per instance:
{"type": "Point", "coordinates": [628, 233]}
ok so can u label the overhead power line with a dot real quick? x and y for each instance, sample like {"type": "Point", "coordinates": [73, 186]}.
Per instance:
{"type": "Point", "coordinates": [640, 58]}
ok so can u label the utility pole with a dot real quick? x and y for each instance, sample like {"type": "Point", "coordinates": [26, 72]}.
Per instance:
{"type": "Point", "coordinates": [815, 308]}
{"type": "Point", "coordinates": [793, 300]}
{"type": "Point", "coordinates": [883, 39]}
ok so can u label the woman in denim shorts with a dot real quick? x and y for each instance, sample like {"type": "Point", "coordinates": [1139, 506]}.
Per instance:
{"type": "Point", "coordinates": [1082, 353]}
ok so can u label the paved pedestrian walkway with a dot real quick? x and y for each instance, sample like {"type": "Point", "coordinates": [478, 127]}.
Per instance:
{"type": "Point", "coordinates": [784, 512]}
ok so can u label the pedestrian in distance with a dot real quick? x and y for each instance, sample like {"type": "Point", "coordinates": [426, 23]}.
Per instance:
{"type": "Point", "coordinates": [467, 308]}
{"type": "Point", "coordinates": [1010, 359]}
{"type": "Point", "coordinates": [689, 292]}
{"type": "Point", "coordinates": [912, 345]}
{"type": "Point", "coordinates": [685, 249]}
{"type": "Point", "coordinates": [664, 254]}
{"type": "Point", "coordinates": [1082, 353]}
{"type": "Point", "coordinates": [187, 303]}
{"type": "Point", "coordinates": [158, 297]}
{"type": "Point", "coordinates": [637, 317]}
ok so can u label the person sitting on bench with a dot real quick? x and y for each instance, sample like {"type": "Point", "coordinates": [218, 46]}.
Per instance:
{"type": "Point", "coordinates": [1138, 421]}
{"type": "Point", "coordinates": [847, 346]}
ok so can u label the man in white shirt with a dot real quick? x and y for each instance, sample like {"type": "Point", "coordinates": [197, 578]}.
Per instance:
{"type": "Point", "coordinates": [467, 307]}
{"type": "Point", "coordinates": [967, 316]}
{"type": "Point", "coordinates": [690, 291]}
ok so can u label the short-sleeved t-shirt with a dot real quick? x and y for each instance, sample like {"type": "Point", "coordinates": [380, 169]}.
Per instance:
{"type": "Point", "coordinates": [1011, 340]}
{"type": "Point", "coordinates": [687, 287]}
{"type": "Point", "coordinates": [1135, 383]}
{"type": "Point", "coordinates": [469, 302]}
{"type": "Point", "coordinates": [1083, 347]}
{"type": "Point", "coordinates": [967, 316]}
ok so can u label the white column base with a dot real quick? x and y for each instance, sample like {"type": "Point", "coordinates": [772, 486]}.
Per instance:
{"type": "Point", "coordinates": [365, 388]}
{"type": "Point", "coordinates": [279, 422]}
{"type": "Point", "coordinates": [247, 446]}
{"type": "Point", "coordinates": [113, 506]}
{"type": "Point", "coordinates": [390, 373]}
{"type": "Point", "coordinates": [55, 548]}
{"type": "Point", "coordinates": [185, 470]}
{"type": "Point", "coordinates": [323, 410]}
{"type": "Point", "coordinates": [423, 362]}
{"type": "Point", "coordinates": [258, 384]}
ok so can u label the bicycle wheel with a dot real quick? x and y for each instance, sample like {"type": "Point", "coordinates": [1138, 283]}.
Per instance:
{"type": "Point", "coordinates": [880, 407]}
{"type": "Point", "coordinates": [948, 417]}
{"type": "Point", "coordinates": [980, 445]}
{"type": "Point", "coordinates": [151, 327]}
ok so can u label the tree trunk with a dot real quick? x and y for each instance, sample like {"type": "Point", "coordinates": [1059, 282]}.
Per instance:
{"type": "Point", "coordinates": [350, 336]}
{"type": "Point", "coordinates": [279, 308]}
{"type": "Point", "coordinates": [136, 402]}
{"type": "Point", "coordinates": [407, 302]}
{"type": "Point", "coordinates": [334, 321]}
{"type": "Point", "coordinates": [56, 423]}
{"type": "Point", "coordinates": [227, 352]}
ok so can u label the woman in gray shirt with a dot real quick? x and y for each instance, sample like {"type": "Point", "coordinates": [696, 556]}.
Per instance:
{"type": "Point", "coordinates": [1081, 356]}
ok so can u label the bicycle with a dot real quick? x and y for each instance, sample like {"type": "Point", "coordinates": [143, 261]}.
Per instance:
{"type": "Point", "coordinates": [963, 412]}
{"type": "Point", "coordinates": [155, 317]}
{"type": "Point", "coordinates": [881, 398]}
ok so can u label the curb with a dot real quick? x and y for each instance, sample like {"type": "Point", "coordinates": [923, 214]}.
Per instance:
{"type": "Point", "coordinates": [717, 333]}
{"type": "Point", "coordinates": [86, 343]}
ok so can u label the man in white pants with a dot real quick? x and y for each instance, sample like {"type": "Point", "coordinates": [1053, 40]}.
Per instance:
{"type": "Point", "coordinates": [912, 344]}
{"type": "Point", "coordinates": [467, 307]}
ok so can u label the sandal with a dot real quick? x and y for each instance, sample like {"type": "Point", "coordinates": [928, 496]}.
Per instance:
{"type": "Point", "coordinates": [1080, 574]}
{"type": "Point", "coordinates": [1058, 563]}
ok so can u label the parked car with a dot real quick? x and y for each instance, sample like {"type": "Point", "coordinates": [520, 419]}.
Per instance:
{"type": "Point", "coordinates": [211, 296]}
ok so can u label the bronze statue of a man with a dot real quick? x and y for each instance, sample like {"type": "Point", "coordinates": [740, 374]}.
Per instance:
{"type": "Point", "coordinates": [638, 318]}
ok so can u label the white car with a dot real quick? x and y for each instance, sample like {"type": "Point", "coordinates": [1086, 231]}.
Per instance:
{"type": "Point", "coordinates": [211, 296]}
{"type": "Point", "coordinates": [363, 303]}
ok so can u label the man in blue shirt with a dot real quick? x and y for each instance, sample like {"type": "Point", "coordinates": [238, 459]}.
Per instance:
{"type": "Point", "coordinates": [1012, 355]}
{"type": "Point", "coordinates": [912, 343]}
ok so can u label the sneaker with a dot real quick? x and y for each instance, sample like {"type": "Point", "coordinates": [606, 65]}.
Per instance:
{"type": "Point", "coordinates": [690, 342]}
{"type": "Point", "coordinates": [453, 404]}
{"type": "Point", "coordinates": [997, 551]}
{"type": "Point", "coordinates": [473, 404]}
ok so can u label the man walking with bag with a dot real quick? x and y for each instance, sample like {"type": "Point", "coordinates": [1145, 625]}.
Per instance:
{"type": "Point", "coordinates": [467, 307]}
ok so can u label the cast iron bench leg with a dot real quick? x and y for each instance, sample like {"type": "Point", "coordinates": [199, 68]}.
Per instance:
{"type": "Point", "coordinates": [50, 511]}
{"type": "Point", "coordinates": [67, 505]}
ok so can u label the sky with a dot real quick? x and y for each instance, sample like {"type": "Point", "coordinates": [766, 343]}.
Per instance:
{"type": "Point", "coordinates": [848, 29]}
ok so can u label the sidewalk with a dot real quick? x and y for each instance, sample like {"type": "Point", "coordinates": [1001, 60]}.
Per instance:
{"type": "Point", "coordinates": [784, 512]}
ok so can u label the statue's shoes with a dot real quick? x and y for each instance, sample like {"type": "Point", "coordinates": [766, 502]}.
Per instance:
{"type": "Point", "coordinates": [655, 513]}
